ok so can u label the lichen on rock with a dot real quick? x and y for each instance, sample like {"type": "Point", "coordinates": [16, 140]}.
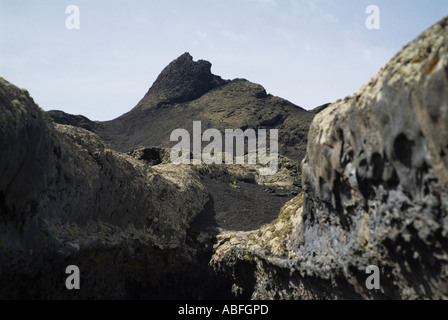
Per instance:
{"type": "Point", "coordinates": [375, 193]}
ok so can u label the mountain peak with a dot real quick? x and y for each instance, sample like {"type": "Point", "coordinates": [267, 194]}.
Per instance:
{"type": "Point", "coordinates": [182, 80]}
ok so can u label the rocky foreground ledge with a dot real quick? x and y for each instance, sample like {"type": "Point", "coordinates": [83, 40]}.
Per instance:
{"type": "Point", "coordinates": [66, 199]}
{"type": "Point", "coordinates": [375, 181]}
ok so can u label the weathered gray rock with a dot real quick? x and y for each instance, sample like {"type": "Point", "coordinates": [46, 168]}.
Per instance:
{"type": "Point", "coordinates": [375, 181]}
{"type": "Point", "coordinates": [67, 199]}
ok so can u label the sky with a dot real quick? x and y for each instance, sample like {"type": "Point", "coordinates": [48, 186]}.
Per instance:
{"type": "Point", "coordinates": [308, 52]}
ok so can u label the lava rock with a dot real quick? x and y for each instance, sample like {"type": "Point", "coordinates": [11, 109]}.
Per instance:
{"type": "Point", "coordinates": [65, 198]}
{"type": "Point", "coordinates": [375, 181]}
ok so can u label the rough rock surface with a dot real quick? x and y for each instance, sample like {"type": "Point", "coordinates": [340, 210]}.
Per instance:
{"type": "Point", "coordinates": [65, 198]}
{"type": "Point", "coordinates": [182, 80]}
{"type": "Point", "coordinates": [375, 181]}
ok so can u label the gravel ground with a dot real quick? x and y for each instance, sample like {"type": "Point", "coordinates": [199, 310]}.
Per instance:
{"type": "Point", "coordinates": [242, 208]}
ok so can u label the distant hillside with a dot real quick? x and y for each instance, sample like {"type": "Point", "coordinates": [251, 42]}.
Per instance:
{"type": "Point", "coordinates": [375, 195]}
{"type": "Point", "coordinates": [186, 91]}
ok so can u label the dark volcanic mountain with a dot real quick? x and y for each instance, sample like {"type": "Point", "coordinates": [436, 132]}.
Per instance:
{"type": "Point", "coordinates": [181, 81]}
{"type": "Point", "coordinates": [186, 91]}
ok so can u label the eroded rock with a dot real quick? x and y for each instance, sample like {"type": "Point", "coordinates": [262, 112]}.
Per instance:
{"type": "Point", "coordinates": [375, 193]}
{"type": "Point", "coordinates": [65, 198]}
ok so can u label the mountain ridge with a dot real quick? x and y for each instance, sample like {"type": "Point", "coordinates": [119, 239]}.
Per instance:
{"type": "Point", "coordinates": [187, 91]}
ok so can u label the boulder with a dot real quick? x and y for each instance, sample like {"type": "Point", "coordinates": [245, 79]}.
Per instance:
{"type": "Point", "coordinates": [375, 181]}
{"type": "Point", "coordinates": [66, 199]}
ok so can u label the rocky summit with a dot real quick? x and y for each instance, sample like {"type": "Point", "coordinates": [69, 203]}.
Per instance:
{"type": "Point", "coordinates": [361, 188]}
{"type": "Point", "coordinates": [187, 91]}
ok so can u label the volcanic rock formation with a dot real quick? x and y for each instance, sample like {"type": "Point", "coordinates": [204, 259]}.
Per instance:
{"type": "Point", "coordinates": [67, 199]}
{"type": "Point", "coordinates": [375, 181]}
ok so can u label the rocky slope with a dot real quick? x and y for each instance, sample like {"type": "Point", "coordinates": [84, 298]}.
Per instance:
{"type": "Point", "coordinates": [65, 198]}
{"type": "Point", "coordinates": [187, 91]}
{"type": "Point", "coordinates": [375, 181]}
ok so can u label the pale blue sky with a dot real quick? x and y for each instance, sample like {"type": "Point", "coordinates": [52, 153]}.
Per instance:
{"type": "Point", "coordinates": [308, 52]}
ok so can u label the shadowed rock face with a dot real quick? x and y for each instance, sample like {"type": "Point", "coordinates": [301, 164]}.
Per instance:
{"type": "Point", "coordinates": [375, 193]}
{"type": "Point", "coordinates": [65, 198]}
